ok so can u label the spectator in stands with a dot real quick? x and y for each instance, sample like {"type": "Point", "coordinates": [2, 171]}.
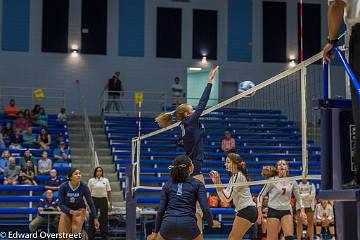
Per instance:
{"type": "Point", "coordinates": [36, 111]}
{"type": "Point", "coordinates": [101, 194]}
{"type": "Point", "coordinates": [72, 204]}
{"type": "Point", "coordinates": [4, 161]}
{"type": "Point", "coordinates": [177, 92]}
{"type": "Point", "coordinates": [61, 155]}
{"type": "Point", "coordinates": [27, 115]}
{"type": "Point", "coordinates": [27, 156]}
{"type": "Point", "coordinates": [16, 140]}
{"type": "Point", "coordinates": [30, 139]}
{"type": "Point", "coordinates": [228, 143]}
{"type": "Point", "coordinates": [54, 183]}
{"type": "Point", "coordinates": [44, 139]}
{"type": "Point", "coordinates": [324, 217]}
{"type": "Point", "coordinates": [2, 142]}
{"type": "Point", "coordinates": [11, 172]}
{"type": "Point", "coordinates": [28, 173]}
{"type": "Point", "coordinates": [41, 119]}
{"type": "Point", "coordinates": [49, 203]}
{"type": "Point", "coordinates": [115, 88]}
{"type": "Point", "coordinates": [21, 122]}
{"type": "Point", "coordinates": [12, 110]}
{"type": "Point", "coordinates": [60, 138]}
{"type": "Point", "coordinates": [62, 115]}
{"type": "Point", "coordinates": [7, 133]}
{"type": "Point", "coordinates": [44, 164]}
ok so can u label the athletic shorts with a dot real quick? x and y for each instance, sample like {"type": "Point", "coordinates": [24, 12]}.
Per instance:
{"type": "Point", "coordinates": [197, 168]}
{"type": "Point", "coordinates": [279, 214]}
{"type": "Point", "coordinates": [249, 213]}
{"type": "Point", "coordinates": [179, 228]}
{"type": "Point", "coordinates": [307, 210]}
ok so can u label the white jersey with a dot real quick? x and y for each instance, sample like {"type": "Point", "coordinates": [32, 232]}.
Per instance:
{"type": "Point", "coordinates": [351, 12]}
{"type": "Point", "coordinates": [307, 194]}
{"type": "Point", "coordinates": [324, 213]}
{"type": "Point", "coordinates": [241, 196]}
{"type": "Point", "coordinates": [280, 194]}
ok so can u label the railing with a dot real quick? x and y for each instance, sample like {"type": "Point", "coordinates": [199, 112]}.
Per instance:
{"type": "Point", "coordinates": [54, 98]}
{"type": "Point", "coordinates": [124, 102]}
{"type": "Point", "coordinates": [89, 138]}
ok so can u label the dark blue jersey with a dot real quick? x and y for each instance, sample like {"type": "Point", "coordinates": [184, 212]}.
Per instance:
{"type": "Point", "coordinates": [46, 205]}
{"type": "Point", "coordinates": [73, 198]}
{"type": "Point", "coordinates": [193, 131]}
{"type": "Point", "coordinates": [179, 200]}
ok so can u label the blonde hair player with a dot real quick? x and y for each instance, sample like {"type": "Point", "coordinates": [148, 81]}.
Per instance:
{"type": "Point", "coordinates": [246, 212]}
{"type": "Point", "coordinates": [192, 132]}
{"type": "Point", "coordinates": [280, 211]}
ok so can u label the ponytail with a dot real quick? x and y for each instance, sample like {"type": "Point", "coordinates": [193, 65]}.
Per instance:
{"type": "Point", "coordinates": [239, 162]}
{"type": "Point", "coordinates": [269, 171]}
{"type": "Point", "coordinates": [180, 169]}
{"type": "Point", "coordinates": [167, 118]}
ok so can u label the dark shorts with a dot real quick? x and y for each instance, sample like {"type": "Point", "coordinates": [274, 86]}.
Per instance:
{"type": "Point", "coordinates": [249, 213]}
{"type": "Point", "coordinates": [197, 168]}
{"type": "Point", "coordinates": [279, 214]}
{"type": "Point", "coordinates": [307, 210]}
{"type": "Point", "coordinates": [179, 228]}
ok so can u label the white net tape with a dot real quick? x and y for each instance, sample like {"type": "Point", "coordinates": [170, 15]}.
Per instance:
{"type": "Point", "coordinates": [302, 68]}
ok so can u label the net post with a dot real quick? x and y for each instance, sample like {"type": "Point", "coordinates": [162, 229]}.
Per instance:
{"type": "Point", "coordinates": [304, 152]}
{"type": "Point", "coordinates": [130, 204]}
{"type": "Point", "coordinates": [133, 164]}
{"type": "Point", "coordinates": [138, 148]}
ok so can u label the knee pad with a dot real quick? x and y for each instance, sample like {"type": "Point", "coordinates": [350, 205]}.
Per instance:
{"type": "Point", "coordinates": [289, 238]}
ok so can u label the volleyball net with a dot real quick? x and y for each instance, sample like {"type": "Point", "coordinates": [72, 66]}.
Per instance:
{"type": "Point", "coordinates": [271, 121]}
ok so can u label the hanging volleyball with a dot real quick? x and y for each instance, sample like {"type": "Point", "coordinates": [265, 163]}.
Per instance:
{"type": "Point", "coordinates": [39, 94]}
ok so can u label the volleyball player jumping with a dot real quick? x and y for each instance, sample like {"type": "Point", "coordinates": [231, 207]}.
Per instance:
{"type": "Point", "coordinates": [192, 131]}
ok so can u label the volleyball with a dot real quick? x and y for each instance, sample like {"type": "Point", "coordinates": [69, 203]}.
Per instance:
{"type": "Point", "coordinates": [246, 85]}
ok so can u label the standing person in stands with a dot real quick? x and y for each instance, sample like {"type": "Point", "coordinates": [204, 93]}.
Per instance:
{"type": "Point", "coordinates": [101, 194]}
{"type": "Point", "coordinates": [177, 92]}
{"type": "Point", "coordinates": [114, 87]}
{"type": "Point", "coordinates": [246, 212]}
{"type": "Point", "coordinates": [175, 218]}
{"type": "Point", "coordinates": [279, 207]}
{"type": "Point", "coordinates": [11, 110]}
{"type": "Point", "coordinates": [192, 131]}
{"type": "Point", "coordinates": [72, 204]}
{"type": "Point", "coordinates": [350, 10]}
{"type": "Point", "coordinates": [307, 193]}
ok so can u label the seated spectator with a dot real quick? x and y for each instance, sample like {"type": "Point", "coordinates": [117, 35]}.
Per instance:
{"type": "Point", "coordinates": [21, 122]}
{"type": "Point", "coordinates": [44, 139]}
{"type": "Point", "coordinates": [62, 115]}
{"type": "Point", "coordinates": [44, 164]}
{"type": "Point", "coordinates": [27, 115]}
{"type": "Point", "coordinates": [28, 157]}
{"type": "Point", "coordinates": [11, 173]}
{"type": "Point", "coordinates": [61, 155]}
{"type": "Point", "coordinates": [2, 142]}
{"type": "Point", "coordinates": [36, 111]}
{"type": "Point", "coordinates": [28, 173]}
{"type": "Point", "coordinates": [7, 133]}
{"type": "Point", "coordinates": [54, 183]}
{"type": "Point", "coordinates": [4, 161]}
{"type": "Point", "coordinates": [60, 138]}
{"type": "Point", "coordinates": [16, 140]}
{"type": "Point", "coordinates": [41, 118]}
{"type": "Point", "coordinates": [30, 139]}
{"type": "Point", "coordinates": [49, 203]}
{"type": "Point", "coordinates": [12, 110]}
{"type": "Point", "coordinates": [228, 143]}
{"type": "Point", "coordinates": [324, 218]}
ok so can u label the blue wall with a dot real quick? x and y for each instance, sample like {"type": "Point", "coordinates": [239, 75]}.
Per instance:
{"type": "Point", "coordinates": [240, 30]}
{"type": "Point", "coordinates": [15, 25]}
{"type": "Point", "coordinates": [131, 28]}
